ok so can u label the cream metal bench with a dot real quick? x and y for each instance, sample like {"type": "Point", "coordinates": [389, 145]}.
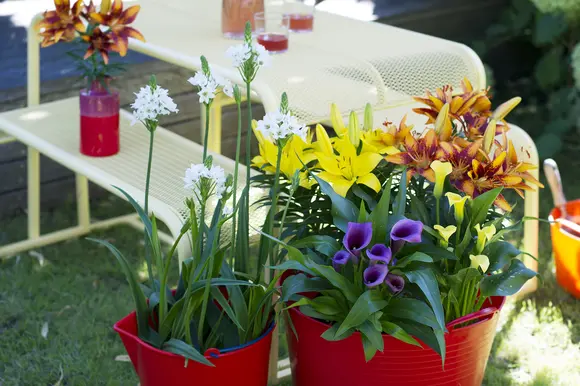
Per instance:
{"type": "Point", "coordinates": [52, 129]}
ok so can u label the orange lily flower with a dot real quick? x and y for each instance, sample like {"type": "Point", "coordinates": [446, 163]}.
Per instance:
{"type": "Point", "coordinates": [387, 140]}
{"type": "Point", "coordinates": [117, 20]}
{"type": "Point", "coordinates": [505, 170]}
{"type": "Point", "coordinates": [418, 154]}
{"type": "Point", "coordinates": [62, 23]}
{"type": "Point", "coordinates": [98, 41]}
{"type": "Point", "coordinates": [460, 154]}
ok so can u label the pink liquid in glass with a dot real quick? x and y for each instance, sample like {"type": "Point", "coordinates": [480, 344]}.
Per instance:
{"type": "Point", "coordinates": [301, 22]}
{"type": "Point", "coordinates": [274, 42]}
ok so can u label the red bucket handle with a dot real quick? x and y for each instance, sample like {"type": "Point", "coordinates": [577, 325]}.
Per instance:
{"type": "Point", "coordinates": [471, 317]}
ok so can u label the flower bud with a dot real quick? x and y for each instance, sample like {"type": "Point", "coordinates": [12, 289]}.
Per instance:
{"type": "Point", "coordinates": [504, 109]}
{"type": "Point", "coordinates": [368, 121]}
{"type": "Point", "coordinates": [353, 129]}
{"type": "Point", "coordinates": [336, 119]}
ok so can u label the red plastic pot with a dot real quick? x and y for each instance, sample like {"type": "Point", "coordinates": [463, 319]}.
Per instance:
{"type": "Point", "coordinates": [246, 365]}
{"type": "Point", "coordinates": [318, 362]}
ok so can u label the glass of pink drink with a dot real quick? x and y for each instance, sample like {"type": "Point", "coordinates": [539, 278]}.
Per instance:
{"type": "Point", "coordinates": [272, 31]}
{"type": "Point", "coordinates": [301, 14]}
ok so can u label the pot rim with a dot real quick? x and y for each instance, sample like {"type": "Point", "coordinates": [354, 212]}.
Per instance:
{"type": "Point", "coordinates": [210, 353]}
{"type": "Point", "coordinates": [482, 320]}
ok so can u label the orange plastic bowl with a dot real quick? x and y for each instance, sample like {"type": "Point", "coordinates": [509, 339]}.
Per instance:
{"type": "Point", "coordinates": [566, 249]}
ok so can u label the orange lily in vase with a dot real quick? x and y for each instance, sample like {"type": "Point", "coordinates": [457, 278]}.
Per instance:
{"type": "Point", "coordinates": [101, 31]}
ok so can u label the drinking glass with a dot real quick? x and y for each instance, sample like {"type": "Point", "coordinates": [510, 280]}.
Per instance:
{"type": "Point", "coordinates": [301, 13]}
{"type": "Point", "coordinates": [235, 14]}
{"type": "Point", "coordinates": [272, 30]}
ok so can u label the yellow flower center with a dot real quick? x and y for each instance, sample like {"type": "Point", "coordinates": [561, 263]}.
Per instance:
{"type": "Point", "coordinates": [345, 166]}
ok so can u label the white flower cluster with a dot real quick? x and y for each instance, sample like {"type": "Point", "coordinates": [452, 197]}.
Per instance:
{"type": "Point", "coordinates": [150, 104]}
{"type": "Point", "coordinates": [208, 85]}
{"type": "Point", "coordinates": [195, 175]}
{"type": "Point", "coordinates": [276, 126]}
{"type": "Point", "coordinates": [240, 53]}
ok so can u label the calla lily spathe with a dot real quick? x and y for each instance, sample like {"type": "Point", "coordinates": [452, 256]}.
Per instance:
{"type": "Point", "coordinates": [479, 261]}
{"type": "Point", "coordinates": [458, 204]}
{"type": "Point", "coordinates": [442, 170]}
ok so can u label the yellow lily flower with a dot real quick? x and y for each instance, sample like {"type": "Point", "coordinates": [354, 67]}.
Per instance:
{"type": "Point", "coordinates": [483, 235]}
{"type": "Point", "coordinates": [442, 170]}
{"type": "Point", "coordinates": [354, 132]}
{"type": "Point", "coordinates": [294, 155]}
{"type": "Point", "coordinates": [458, 204]}
{"type": "Point", "coordinates": [323, 143]}
{"type": "Point", "coordinates": [347, 168]}
{"type": "Point", "coordinates": [479, 261]}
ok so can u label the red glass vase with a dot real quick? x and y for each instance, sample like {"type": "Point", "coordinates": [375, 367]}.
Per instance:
{"type": "Point", "coordinates": [99, 111]}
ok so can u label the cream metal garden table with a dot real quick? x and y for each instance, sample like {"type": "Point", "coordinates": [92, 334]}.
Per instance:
{"type": "Point", "coordinates": [52, 129]}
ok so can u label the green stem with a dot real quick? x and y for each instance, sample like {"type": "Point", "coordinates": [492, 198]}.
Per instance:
{"type": "Point", "coordinates": [274, 205]}
{"type": "Point", "coordinates": [235, 187]}
{"type": "Point", "coordinates": [248, 151]}
{"type": "Point", "coordinates": [283, 220]}
{"type": "Point", "coordinates": [146, 206]}
{"type": "Point", "coordinates": [206, 293]}
{"type": "Point", "coordinates": [437, 211]}
{"type": "Point", "coordinates": [206, 135]}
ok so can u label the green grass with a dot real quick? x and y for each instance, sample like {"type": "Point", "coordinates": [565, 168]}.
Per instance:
{"type": "Point", "coordinates": [79, 291]}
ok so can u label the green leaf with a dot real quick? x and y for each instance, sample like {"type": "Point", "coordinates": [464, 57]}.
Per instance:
{"type": "Point", "coordinates": [401, 199]}
{"type": "Point", "coordinates": [337, 280]}
{"type": "Point", "coordinates": [419, 211]}
{"type": "Point", "coordinates": [362, 212]}
{"type": "Point", "coordinates": [398, 333]}
{"type": "Point", "coordinates": [481, 205]}
{"type": "Point", "coordinates": [380, 215]}
{"type": "Point", "coordinates": [326, 245]}
{"type": "Point", "coordinates": [293, 264]}
{"type": "Point", "coordinates": [326, 305]}
{"type": "Point", "coordinates": [225, 305]}
{"type": "Point", "coordinates": [432, 338]}
{"type": "Point", "coordinates": [331, 335]}
{"type": "Point", "coordinates": [508, 282]}
{"type": "Point", "coordinates": [366, 305]}
{"type": "Point", "coordinates": [427, 282]}
{"type": "Point", "coordinates": [297, 284]}
{"type": "Point", "coordinates": [343, 210]}
{"type": "Point", "coordinates": [549, 27]}
{"type": "Point", "coordinates": [548, 71]}
{"type": "Point", "coordinates": [417, 256]}
{"type": "Point", "coordinates": [500, 254]}
{"type": "Point", "coordinates": [412, 309]}
{"type": "Point", "coordinates": [467, 239]}
{"type": "Point", "coordinates": [309, 311]}
{"type": "Point", "coordinates": [181, 348]}
{"type": "Point", "coordinates": [138, 296]}
{"type": "Point", "coordinates": [434, 251]}
{"type": "Point", "coordinates": [373, 335]}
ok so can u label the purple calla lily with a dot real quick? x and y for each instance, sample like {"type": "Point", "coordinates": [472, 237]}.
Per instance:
{"type": "Point", "coordinates": [405, 231]}
{"type": "Point", "coordinates": [379, 253]}
{"type": "Point", "coordinates": [375, 275]}
{"type": "Point", "coordinates": [357, 237]}
{"type": "Point", "coordinates": [395, 283]}
{"type": "Point", "coordinates": [340, 258]}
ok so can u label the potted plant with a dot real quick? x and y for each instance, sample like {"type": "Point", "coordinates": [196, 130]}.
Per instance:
{"type": "Point", "coordinates": [403, 281]}
{"type": "Point", "coordinates": [215, 325]}
{"type": "Point", "coordinates": [100, 32]}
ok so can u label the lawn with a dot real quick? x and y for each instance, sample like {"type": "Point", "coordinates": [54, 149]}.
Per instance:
{"type": "Point", "coordinates": [58, 305]}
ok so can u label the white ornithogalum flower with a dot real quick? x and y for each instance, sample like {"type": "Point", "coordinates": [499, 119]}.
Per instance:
{"type": "Point", "coordinates": [277, 126]}
{"type": "Point", "coordinates": [150, 104]}
{"type": "Point", "coordinates": [207, 92]}
{"type": "Point", "coordinates": [198, 177]}
{"type": "Point", "coordinates": [263, 57]}
{"type": "Point", "coordinates": [227, 211]}
{"type": "Point", "coordinates": [239, 54]}
{"type": "Point", "coordinates": [208, 85]}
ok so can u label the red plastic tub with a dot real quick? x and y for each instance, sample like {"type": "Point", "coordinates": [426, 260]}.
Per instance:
{"type": "Point", "coordinates": [566, 249]}
{"type": "Point", "coordinates": [243, 366]}
{"type": "Point", "coordinates": [318, 362]}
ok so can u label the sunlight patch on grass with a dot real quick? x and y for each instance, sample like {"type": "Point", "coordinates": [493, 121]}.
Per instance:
{"type": "Point", "coordinates": [536, 347]}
